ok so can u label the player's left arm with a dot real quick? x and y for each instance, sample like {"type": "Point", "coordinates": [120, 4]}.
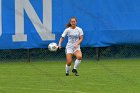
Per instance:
{"type": "Point", "coordinates": [79, 41]}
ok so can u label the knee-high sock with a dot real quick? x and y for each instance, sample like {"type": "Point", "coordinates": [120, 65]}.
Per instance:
{"type": "Point", "coordinates": [77, 62]}
{"type": "Point", "coordinates": [67, 68]}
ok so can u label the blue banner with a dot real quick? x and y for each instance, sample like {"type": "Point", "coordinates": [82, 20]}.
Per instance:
{"type": "Point", "coordinates": [35, 23]}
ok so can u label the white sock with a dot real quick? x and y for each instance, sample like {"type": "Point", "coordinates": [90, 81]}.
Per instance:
{"type": "Point", "coordinates": [77, 62]}
{"type": "Point", "coordinates": [67, 68]}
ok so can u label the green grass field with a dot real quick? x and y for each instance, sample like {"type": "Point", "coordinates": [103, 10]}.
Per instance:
{"type": "Point", "coordinates": [105, 76]}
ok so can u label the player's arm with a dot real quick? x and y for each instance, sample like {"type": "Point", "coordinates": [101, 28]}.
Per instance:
{"type": "Point", "coordinates": [60, 42]}
{"type": "Point", "coordinates": [80, 38]}
{"type": "Point", "coordinates": [79, 41]}
{"type": "Point", "coordinates": [62, 38]}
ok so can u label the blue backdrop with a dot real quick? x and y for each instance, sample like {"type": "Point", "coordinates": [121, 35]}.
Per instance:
{"type": "Point", "coordinates": [104, 22]}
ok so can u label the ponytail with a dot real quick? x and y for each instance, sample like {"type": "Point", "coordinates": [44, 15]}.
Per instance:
{"type": "Point", "coordinates": [68, 25]}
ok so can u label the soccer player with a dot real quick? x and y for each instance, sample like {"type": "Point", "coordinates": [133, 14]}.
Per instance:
{"type": "Point", "coordinates": [75, 37]}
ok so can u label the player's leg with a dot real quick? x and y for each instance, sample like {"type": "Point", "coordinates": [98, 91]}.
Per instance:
{"type": "Point", "coordinates": [78, 55]}
{"type": "Point", "coordinates": [68, 63]}
{"type": "Point", "coordinates": [69, 60]}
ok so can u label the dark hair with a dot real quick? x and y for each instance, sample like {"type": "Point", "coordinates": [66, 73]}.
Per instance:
{"type": "Point", "coordinates": [68, 24]}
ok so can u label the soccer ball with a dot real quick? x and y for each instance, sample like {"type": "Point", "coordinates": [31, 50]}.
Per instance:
{"type": "Point", "coordinates": [52, 47]}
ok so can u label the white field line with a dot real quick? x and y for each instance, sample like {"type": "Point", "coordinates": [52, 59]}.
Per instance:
{"type": "Point", "coordinates": [25, 88]}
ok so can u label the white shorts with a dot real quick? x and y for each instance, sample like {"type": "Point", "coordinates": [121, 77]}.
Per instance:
{"type": "Point", "coordinates": [71, 50]}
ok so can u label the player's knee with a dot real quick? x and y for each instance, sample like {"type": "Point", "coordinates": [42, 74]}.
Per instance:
{"type": "Point", "coordinates": [79, 57]}
{"type": "Point", "coordinates": [68, 63]}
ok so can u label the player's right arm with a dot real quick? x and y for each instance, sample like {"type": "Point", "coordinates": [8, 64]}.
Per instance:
{"type": "Point", "coordinates": [62, 38]}
{"type": "Point", "coordinates": [60, 42]}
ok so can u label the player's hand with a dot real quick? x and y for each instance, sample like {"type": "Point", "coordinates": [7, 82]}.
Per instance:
{"type": "Point", "coordinates": [76, 46]}
{"type": "Point", "coordinates": [59, 46]}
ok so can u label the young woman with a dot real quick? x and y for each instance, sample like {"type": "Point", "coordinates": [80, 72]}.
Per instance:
{"type": "Point", "coordinates": [75, 37]}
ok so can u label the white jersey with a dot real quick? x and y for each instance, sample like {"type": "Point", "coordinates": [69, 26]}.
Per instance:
{"type": "Point", "coordinates": [73, 36]}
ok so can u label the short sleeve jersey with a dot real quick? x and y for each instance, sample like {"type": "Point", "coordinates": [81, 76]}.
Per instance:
{"type": "Point", "coordinates": [73, 36]}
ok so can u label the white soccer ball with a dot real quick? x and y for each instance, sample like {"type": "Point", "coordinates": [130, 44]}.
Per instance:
{"type": "Point", "coordinates": [52, 47]}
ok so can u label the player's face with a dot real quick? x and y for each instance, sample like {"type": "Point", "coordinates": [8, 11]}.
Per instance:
{"type": "Point", "coordinates": [73, 22]}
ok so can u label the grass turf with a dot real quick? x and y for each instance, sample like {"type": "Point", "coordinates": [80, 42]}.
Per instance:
{"type": "Point", "coordinates": [105, 76]}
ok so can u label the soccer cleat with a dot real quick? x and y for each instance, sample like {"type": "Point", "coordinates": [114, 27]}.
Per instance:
{"type": "Point", "coordinates": [75, 72]}
{"type": "Point", "coordinates": [67, 74]}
